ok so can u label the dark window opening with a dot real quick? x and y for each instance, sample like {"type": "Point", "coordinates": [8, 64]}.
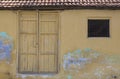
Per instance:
{"type": "Point", "coordinates": [98, 28]}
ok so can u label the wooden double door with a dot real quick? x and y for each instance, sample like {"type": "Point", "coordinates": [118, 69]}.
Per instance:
{"type": "Point", "coordinates": [38, 42]}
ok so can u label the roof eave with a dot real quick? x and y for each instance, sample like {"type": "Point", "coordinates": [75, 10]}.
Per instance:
{"type": "Point", "coordinates": [60, 7]}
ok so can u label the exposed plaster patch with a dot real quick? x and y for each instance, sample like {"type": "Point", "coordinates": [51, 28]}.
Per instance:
{"type": "Point", "coordinates": [112, 59]}
{"type": "Point", "coordinates": [33, 76]}
{"type": "Point", "coordinates": [107, 72]}
{"type": "Point", "coordinates": [23, 76]}
{"type": "Point", "coordinates": [99, 72]}
{"type": "Point", "coordinates": [69, 76]}
{"type": "Point", "coordinates": [6, 45]}
{"type": "Point", "coordinates": [76, 60]}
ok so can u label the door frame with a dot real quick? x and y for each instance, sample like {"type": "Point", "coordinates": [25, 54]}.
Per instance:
{"type": "Point", "coordinates": [18, 36]}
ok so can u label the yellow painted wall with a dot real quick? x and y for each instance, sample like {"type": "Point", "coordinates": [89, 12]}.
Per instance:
{"type": "Point", "coordinates": [73, 35]}
{"type": "Point", "coordinates": [8, 24]}
{"type": "Point", "coordinates": [74, 30]}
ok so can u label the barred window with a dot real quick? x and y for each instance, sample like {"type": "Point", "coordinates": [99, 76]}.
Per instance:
{"type": "Point", "coordinates": [98, 28]}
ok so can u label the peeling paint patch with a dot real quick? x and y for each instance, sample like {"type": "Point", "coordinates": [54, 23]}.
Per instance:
{"type": "Point", "coordinates": [69, 77]}
{"type": "Point", "coordinates": [107, 72]}
{"type": "Point", "coordinates": [6, 45]}
{"type": "Point", "coordinates": [78, 59]}
{"type": "Point", "coordinates": [33, 76]}
{"type": "Point", "coordinates": [112, 59]}
{"type": "Point", "coordinates": [106, 66]}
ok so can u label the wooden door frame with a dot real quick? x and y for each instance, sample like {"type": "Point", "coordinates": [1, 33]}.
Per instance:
{"type": "Point", "coordinates": [58, 49]}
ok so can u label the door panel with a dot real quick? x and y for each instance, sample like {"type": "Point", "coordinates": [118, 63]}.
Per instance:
{"type": "Point", "coordinates": [28, 26]}
{"type": "Point", "coordinates": [47, 63]}
{"type": "Point", "coordinates": [48, 42]}
{"type": "Point", "coordinates": [27, 44]}
{"type": "Point", "coordinates": [48, 27]}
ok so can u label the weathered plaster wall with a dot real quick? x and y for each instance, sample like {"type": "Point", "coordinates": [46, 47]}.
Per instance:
{"type": "Point", "coordinates": [74, 30]}
{"type": "Point", "coordinates": [8, 24]}
{"type": "Point", "coordinates": [73, 36]}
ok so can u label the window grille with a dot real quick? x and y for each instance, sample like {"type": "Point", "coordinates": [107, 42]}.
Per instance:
{"type": "Point", "coordinates": [98, 28]}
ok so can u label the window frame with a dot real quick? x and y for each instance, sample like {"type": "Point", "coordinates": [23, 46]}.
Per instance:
{"type": "Point", "coordinates": [99, 18]}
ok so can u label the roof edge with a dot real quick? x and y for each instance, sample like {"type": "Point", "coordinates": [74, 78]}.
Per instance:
{"type": "Point", "coordinates": [60, 8]}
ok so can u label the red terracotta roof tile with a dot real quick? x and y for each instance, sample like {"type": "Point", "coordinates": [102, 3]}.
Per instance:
{"type": "Point", "coordinates": [58, 4]}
